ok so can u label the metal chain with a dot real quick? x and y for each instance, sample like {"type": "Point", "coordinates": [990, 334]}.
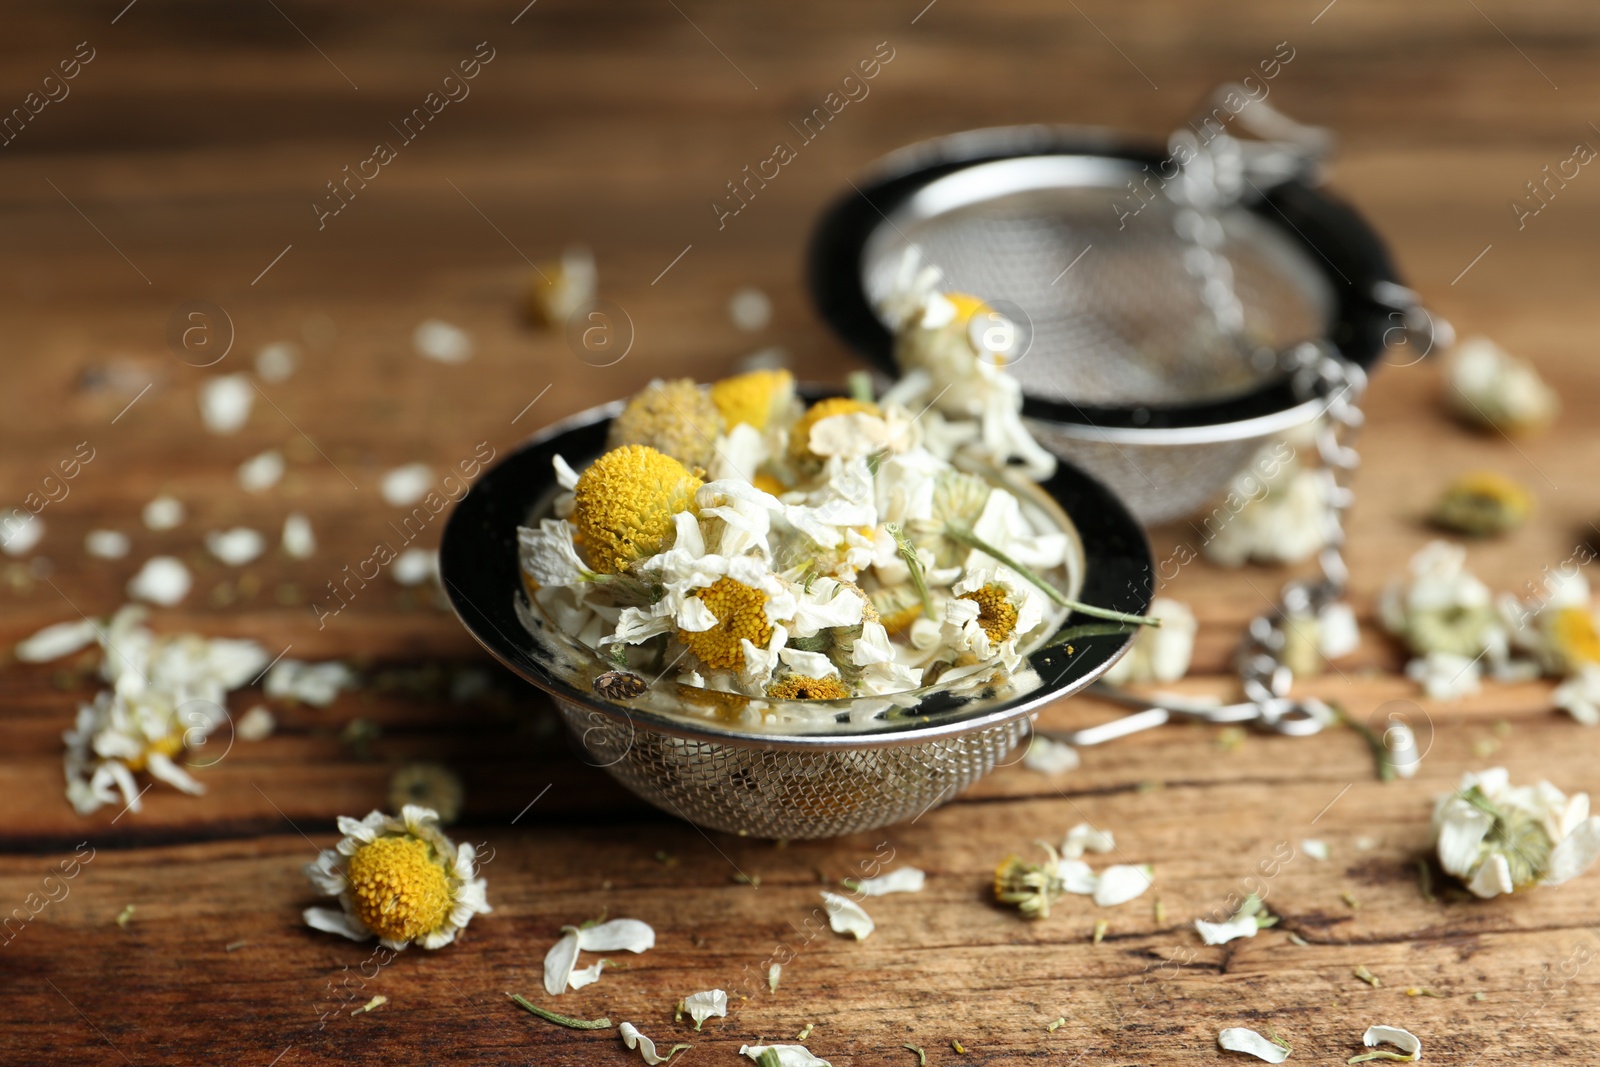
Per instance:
{"type": "Point", "coordinates": [1319, 373]}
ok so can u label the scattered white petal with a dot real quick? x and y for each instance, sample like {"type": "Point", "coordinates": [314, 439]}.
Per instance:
{"type": "Point", "coordinates": [331, 921]}
{"type": "Point", "coordinates": [587, 975]}
{"type": "Point", "coordinates": [21, 532]}
{"type": "Point", "coordinates": [703, 1006]}
{"type": "Point", "coordinates": [310, 683]}
{"type": "Point", "coordinates": [225, 402]}
{"type": "Point", "coordinates": [1077, 877]}
{"type": "Point", "coordinates": [406, 485]}
{"type": "Point", "coordinates": [845, 916]}
{"type": "Point", "coordinates": [257, 724]}
{"type": "Point", "coordinates": [1223, 932]}
{"type": "Point", "coordinates": [298, 540]}
{"type": "Point", "coordinates": [774, 972]}
{"type": "Point", "coordinates": [164, 513]}
{"type": "Point", "coordinates": [275, 362]}
{"type": "Point", "coordinates": [647, 1048]}
{"type": "Point", "coordinates": [788, 1055]}
{"type": "Point", "coordinates": [106, 544]}
{"type": "Point", "coordinates": [618, 935]}
{"type": "Point", "coordinates": [438, 340]}
{"type": "Point", "coordinates": [260, 473]}
{"type": "Point", "coordinates": [558, 962]}
{"type": "Point", "coordinates": [53, 642]}
{"type": "Point", "coordinates": [1086, 838]}
{"type": "Point", "coordinates": [1121, 883]}
{"type": "Point", "coordinates": [162, 580]}
{"type": "Point", "coordinates": [904, 880]}
{"type": "Point", "coordinates": [1050, 757]}
{"type": "Point", "coordinates": [1404, 1040]}
{"type": "Point", "coordinates": [1239, 1039]}
{"type": "Point", "coordinates": [415, 566]}
{"type": "Point", "coordinates": [750, 309]}
{"type": "Point", "coordinates": [237, 546]}
{"type": "Point", "coordinates": [1315, 848]}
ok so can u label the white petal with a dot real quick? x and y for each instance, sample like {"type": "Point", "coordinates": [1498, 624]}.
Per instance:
{"type": "Point", "coordinates": [1048, 756]}
{"type": "Point", "coordinates": [415, 566]}
{"type": "Point", "coordinates": [106, 544]}
{"type": "Point", "coordinates": [1076, 877]}
{"type": "Point", "coordinates": [298, 540]}
{"type": "Point", "coordinates": [1575, 853]}
{"type": "Point", "coordinates": [1239, 1039]}
{"type": "Point", "coordinates": [703, 1006]}
{"type": "Point", "coordinates": [160, 766]}
{"type": "Point", "coordinates": [617, 935]}
{"type": "Point", "coordinates": [809, 664]}
{"type": "Point", "coordinates": [1223, 932]}
{"type": "Point", "coordinates": [558, 962]}
{"type": "Point", "coordinates": [566, 477]}
{"type": "Point", "coordinates": [162, 580]}
{"type": "Point", "coordinates": [323, 872]}
{"type": "Point", "coordinates": [20, 532]}
{"type": "Point", "coordinates": [1461, 829]}
{"type": "Point", "coordinates": [1493, 877]}
{"type": "Point", "coordinates": [404, 486]}
{"type": "Point", "coordinates": [330, 921]}
{"type": "Point", "coordinates": [1316, 849]}
{"type": "Point", "coordinates": [904, 880]}
{"type": "Point", "coordinates": [437, 340]}
{"type": "Point", "coordinates": [788, 1055]}
{"type": "Point", "coordinates": [647, 1048]}
{"type": "Point", "coordinates": [163, 513]}
{"type": "Point", "coordinates": [1404, 1040]}
{"type": "Point", "coordinates": [237, 546]}
{"type": "Point", "coordinates": [1086, 838]}
{"type": "Point", "coordinates": [261, 472]}
{"type": "Point", "coordinates": [225, 402]}
{"type": "Point", "coordinates": [845, 916]}
{"type": "Point", "coordinates": [1121, 883]}
{"type": "Point", "coordinates": [275, 362]}
{"type": "Point", "coordinates": [587, 975]}
{"type": "Point", "coordinates": [694, 616]}
{"type": "Point", "coordinates": [60, 639]}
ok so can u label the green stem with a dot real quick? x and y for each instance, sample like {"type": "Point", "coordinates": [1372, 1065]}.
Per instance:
{"type": "Point", "coordinates": [564, 1020]}
{"type": "Point", "coordinates": [964, 535]}
{"type": "Point", "coordinates": [1380, 751]}
{"type": "Point", "coordinates": [860, 385]}
{"type": "Point", "coordinates": [908, 552]}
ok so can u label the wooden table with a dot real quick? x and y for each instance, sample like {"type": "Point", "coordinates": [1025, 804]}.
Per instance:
{"type": "Point", "coordinates": [184, 165]}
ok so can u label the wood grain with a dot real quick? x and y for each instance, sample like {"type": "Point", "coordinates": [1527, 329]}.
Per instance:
{"type": "Point", "coordinates": [188, 155]}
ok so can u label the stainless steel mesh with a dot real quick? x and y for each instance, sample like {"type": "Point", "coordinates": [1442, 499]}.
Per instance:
{"type": "Point", "coordinates": [789, 792]}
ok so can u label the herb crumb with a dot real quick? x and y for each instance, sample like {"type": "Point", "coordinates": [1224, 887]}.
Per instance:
{"type": "Point", "coordinates": [1100, 928]}
{"type": "Point", "coordinates": [1367, 976]}
{"type": "Point", "coordinates": [922, 1057]}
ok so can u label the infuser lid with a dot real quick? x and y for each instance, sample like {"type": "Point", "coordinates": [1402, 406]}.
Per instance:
{"type": "Point", "coordinates": [1140, 304]}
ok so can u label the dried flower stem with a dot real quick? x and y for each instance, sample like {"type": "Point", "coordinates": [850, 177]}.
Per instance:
{"type": "Point", "coordinates": [562, 1020]}
{"type": "Point", "coordinates": [922, 1057]}
{"type": "Point", "coordinates": [964, 535]}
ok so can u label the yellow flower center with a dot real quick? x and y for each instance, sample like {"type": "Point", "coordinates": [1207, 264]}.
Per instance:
{"type": "Point", "coordinates": [675, 417]}
{"type": "Point", "coordinates": [800, 436]}
{"type": "Point", "coordinates": [768, 484]}
{"type": "Point", "coordinates": [624, 504]}
{"type": "Point", "coordinates": [799, 687]}
{"type": "Point", "coordinates": [897, 606]}
{"type": "Point", "coordinates": [169, 746]}
{"type": "Point", "coordinates": [741, 612]}
{"type": "Point", "coordinates": [751, 398]}
{"type": "Point", "coordinates": [1573, 634]}
{"type": "Point", "coordinates": [399, 892]}
{"type": "Point", "coordinates": [996, 614]}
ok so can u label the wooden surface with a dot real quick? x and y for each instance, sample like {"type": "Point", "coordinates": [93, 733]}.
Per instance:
{"type": "Point", "coordinates": [187, 157]}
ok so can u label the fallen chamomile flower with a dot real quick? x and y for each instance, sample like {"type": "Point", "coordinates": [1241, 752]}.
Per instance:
{"type": "Point", "coordinates": [1048, 756]}
{"type": "Point", "coordinates": [57, 640]}
{"type": "Point", "coordinates": [647, 1048]}
{"type": "Point", "coordinates": [260, 473]}
{"type": "Point", "coordinates": [1489, 387]}
{"type": "Point", "coordinates": [1443, 608]}
{"type": "Point", "coordinates": [225, 402]}
{"type": "Point", "coordinates": [1579, 696]}
{"type": "Point", "coordinates": [1283, 517]}
{"type": "Point", "coordinates": [168, 694]}
{"type": "Point", "coordinates": [398, 879]}
{"type": "Point", "coordinates": [847, 917]}
{"type": "Point", "coordinates": [1498, 839]}
{"type": "Point", "coordinates": [427, 785]}
{"type": "Point", "coordinates": [441, 342]}
{"type": "Point", "coordinates": [1482, 504]}
{"type": "Point", "coordinates": [163, 580]}
{"type": "Point", "coordinates": [629, 935]}
{"type": "Point", "coordinates": [1159, 653]}
{"type": "Point", "coordinates": [1240, 1039]}
{"type": "Point", "coordinates": [1559, 629]}
{"type": "Point", "coordinates": [562, 287]}
{"type": "Point", "coordinates": [713, 1003]}
{"type": "Point", "coordinates": [782, 1056]}
{"type": "Point", "coordinates": [237, 546]}
{"type": "Point", "coordinates": [106, 544]}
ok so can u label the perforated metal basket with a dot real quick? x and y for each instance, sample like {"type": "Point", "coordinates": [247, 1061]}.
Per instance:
{"type": "Point", "coordinates": [782, 769]}
{"type": "Point", "coordinates": [1075, 234]}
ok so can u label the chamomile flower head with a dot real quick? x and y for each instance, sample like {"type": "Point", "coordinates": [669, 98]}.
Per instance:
{"type": "Point", "coordinates": [427, 785]}
{"type": "Point", "coordinates": [1442, 607]}
{"type": "Point", "coordinates": [675, 417]}
{"type": "Point", "coordinates": [1489, 387]}
{"type": "Point", "coordinates": [1482, 504]}
{"type": "Point", "coordinates": [1498, 838]}
{"type": "Point", "coordinates": [738, 613]}
{"type": "Point", "coordinates": [991, 612]}
{"type": "Point", "coordinates": [800, 436]}
{"type": "Point", "coordinates": [898, 606]}
{"type": "Point", "coordinates": [794, 686]}
{"type": "Point", "coordinates": [1029, 887]}
{"type": "Point", "coordinates": [757, 399]}
{"type": "Point", "coordinates": [400, 880]}
{"type": "Point", "coordinates": [624, 504]}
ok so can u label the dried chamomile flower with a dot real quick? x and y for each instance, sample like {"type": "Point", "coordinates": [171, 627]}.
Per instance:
{"type": "Point", "coordinates": [1482, 504]}
{"type": "Point", "coordinates": [1498, 839]}
{"type": "Point", "coordinates": [397, 879]}
{"type": "Point", "coordinates": [1489, 387]}
{"type": "Point", "coordinates": [794, 686]}
{"type": "Point", "coordinates": [675, 417]}
{"type": "Point", "coordinates": [738, 614]}
{"type": "Point", "coordinates": [1030, 887]}
{"type": "Point", "coordinates": [1240, 1039]}
{"type": "Point", "coordinates": [1579, 696]}
{"type": "Point", "coordinates": [1282, 517]}
{"type": "Point", "coordinates": [757, 399]}
{"type": "Point", "coordinates": [561, 287]}
{"type": "Point", "coordinates": [427, 785]}
{"type": "Point", "coordinates": [1159, 653]}
{"type": "Point", "coordinates": [624, 503]}
{"type": "Point", "coordinates": [1442, 607]}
